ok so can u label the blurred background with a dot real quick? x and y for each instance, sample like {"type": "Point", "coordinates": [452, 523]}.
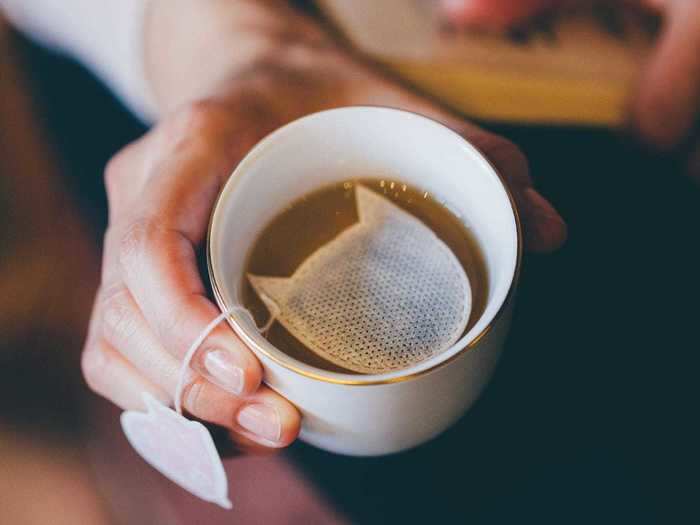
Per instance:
{"type": "Point", "coordinates": [591, 415]}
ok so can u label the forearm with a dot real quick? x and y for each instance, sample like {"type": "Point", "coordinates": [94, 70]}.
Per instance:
{"type": "Point", "coordinates": [281, 62]}
{"type": "Point", "coordinates": [161, 54]}
{"type": "Point", "coordinates": [197, 49]}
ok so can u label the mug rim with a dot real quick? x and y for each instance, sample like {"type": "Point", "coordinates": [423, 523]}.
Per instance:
{"type": "Point", "coordinates": [360, 379]}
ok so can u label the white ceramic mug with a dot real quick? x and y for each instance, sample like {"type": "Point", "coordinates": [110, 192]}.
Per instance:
{"type": "Point", "coordinates": [366, 415]}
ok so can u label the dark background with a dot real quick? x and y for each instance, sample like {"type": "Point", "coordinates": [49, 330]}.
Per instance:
{"type": "Point", "coordinates": [592, 414]}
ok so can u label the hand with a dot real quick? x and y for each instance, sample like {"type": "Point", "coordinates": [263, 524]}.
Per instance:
{"type": "Point", "coordinates": [666, 104]}
{"type": "Point", "coordinates": [152, 303]}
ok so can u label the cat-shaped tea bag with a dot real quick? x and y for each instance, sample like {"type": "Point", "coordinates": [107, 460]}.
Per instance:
{"type": "Point", "coordinates": [385, 294]}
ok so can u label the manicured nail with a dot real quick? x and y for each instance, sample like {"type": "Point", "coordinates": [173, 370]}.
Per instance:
{"type": "Point", "coordinates": [261, 420]}
{"type": "Point", "coordinates": [223, 369]}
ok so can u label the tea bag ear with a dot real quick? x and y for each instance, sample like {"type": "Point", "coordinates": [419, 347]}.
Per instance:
{"type": "Point", "coordinates": [273, 291]}
{"type": "Point", "coordinates": [372, 207]}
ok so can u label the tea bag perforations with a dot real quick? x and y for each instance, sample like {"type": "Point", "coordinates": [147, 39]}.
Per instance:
{"type": "Point", "coordinates": [383, 295]}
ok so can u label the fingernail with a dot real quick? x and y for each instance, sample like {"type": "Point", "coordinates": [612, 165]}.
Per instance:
{"type": "Point", "coordinates": [544, 229]}
{"type": "Point", "coordinates": [224, 370]}
{"type": "Point", "coordinates": [539, 206]}
{"type": "Point", "coordinates": [261, 420]}
{"type": "Point", "coordinates": [694, 164]}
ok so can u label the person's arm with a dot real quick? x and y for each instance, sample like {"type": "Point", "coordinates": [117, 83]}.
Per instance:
{"type": "Point", "coordinates": [106, 36]}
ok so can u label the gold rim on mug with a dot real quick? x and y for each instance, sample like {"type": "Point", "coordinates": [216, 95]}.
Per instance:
{"type": "Point", "coordinates": [320, 376]}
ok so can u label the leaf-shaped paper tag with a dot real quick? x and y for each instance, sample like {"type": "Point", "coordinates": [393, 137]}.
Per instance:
{"type": "Point", "coordinates": [180, 449]}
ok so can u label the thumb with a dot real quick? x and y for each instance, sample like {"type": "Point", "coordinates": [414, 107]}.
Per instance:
{"type": "Point", "coordinates": [492, 13]}
{"type": "Point", "coordinates": [669, 94]}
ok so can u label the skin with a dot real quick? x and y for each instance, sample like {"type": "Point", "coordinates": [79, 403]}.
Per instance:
{"type": "Point", "coordinates": [231, 73]}
{"type": "Point", "coordinates": [664, 108]}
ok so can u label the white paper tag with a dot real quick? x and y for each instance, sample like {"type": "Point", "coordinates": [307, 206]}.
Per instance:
{"type": "Point", "coordinates": [180, 449]}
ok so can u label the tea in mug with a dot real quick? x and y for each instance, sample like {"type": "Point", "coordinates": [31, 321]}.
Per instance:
{"type": "Point", "coordinates": [365, 276]}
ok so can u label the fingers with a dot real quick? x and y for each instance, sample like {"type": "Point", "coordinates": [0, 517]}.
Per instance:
{"type": "Point", "coordinates": [666, 104]}
{"type": "Point", "coordinates": [263, 419]}
{"type": "Point", "coordinates": [160, 270]}
{"type": "Point", "coordinates": [156, 242]}
{"type": "Point", "coordinates": [150, 246]}
{"type": "Point", "coordinates": [268, 419]}
{"type": "Point", "coordinates": [108, 374]}
{"type": "Point", "coordinates": [124, 327]}
{"type": "Point", "coordinates": [543, 228]}
{"type": "Point", "coordinates": [152, 305]}
{"type": "Point", "coordinates": [693, 166]}
{"type": "Point", "coordinates": [495, 14]}
{"type": "Point", "coordinates": [126, 359]}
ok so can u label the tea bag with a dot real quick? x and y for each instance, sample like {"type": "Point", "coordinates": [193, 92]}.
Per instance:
{"type": "Point", "coordinates": [383, 295]}
{"type": "Point", "coordinates": [180, 449]}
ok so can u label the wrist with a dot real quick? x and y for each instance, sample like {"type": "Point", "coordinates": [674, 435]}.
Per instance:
{"type": "Point", "coordinates": [265, 60]}
{"type": "Point", "coordinates": [196, 49]}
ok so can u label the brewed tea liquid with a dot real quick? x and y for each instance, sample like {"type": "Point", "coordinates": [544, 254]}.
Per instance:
{"type": "Point", "coordinates": [317, 218]}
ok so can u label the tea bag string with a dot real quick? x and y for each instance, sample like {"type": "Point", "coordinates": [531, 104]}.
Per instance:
{"type": "Point", "coordinates": [274, 314]}
{"type": "Point", "coordinates": [185, 366]}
